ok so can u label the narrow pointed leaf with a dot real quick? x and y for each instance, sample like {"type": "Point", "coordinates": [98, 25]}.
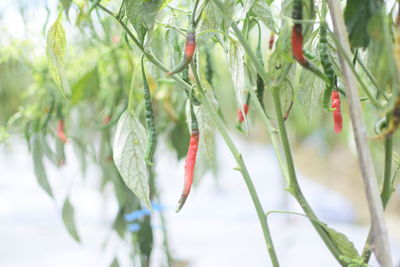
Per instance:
{"type": "Point", "coordinates": [38, 166]}
{"type": "Point", "coordinates": [68, 216]}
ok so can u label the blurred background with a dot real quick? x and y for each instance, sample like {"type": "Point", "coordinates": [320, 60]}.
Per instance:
{"type": "Point", "coordinates": [218, 226]}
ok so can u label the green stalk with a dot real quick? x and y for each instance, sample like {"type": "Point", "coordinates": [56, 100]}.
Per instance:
{"type": "Point", "coordinates": [294, 187]}
{"type": "Point", "coordinates": [272, 133]}
{"type": "Point", "coordinates": [242, 168]}
{"type": "Point", "coordinates": [387, 190]}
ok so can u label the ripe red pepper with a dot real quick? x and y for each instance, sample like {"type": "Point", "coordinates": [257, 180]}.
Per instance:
{"type": "Point", "coordinates": [297, 44]}
{"type": "Point", "coordinates": [337, 115]}
{"type": "Point", "coordinates": [190, 47]}
{"type": "Point", "coordinates": [60, 131]}
{"type": "Point", "coordinates": [271, 41]}
{"type": "Point", "coordinates": [240, 114]}
{"type": "Point", "coordinates": [190, 161]}
{"type": "Point", "coordinates": [106, 119]}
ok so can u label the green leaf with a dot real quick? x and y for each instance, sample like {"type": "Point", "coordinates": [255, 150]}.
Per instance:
{"type": "Point", "coordinates": [119, 224]}
{"type": "Point", "coordinates": [129, 150]}
{"type": "Point", "coordinates": [357, 16]}
{"type": "Point", "coordinates": [141, 14]}
{"type": "Point", "coordinates": [263, 11]}
{"type": "Point", "coordinates": [114, 263]}
{"type": "Point", "coordinates": [86, 87]}
{"type": "Point", "coordinates": [179, 137]}
{"type": "Point", "coordinates": [309, 91]}
{"type": "Point", "coordinates": [56, 46]}
{"type": "Point", "coordinates": [345, 246]}
{"type": "Point", "coordinates": [38, 167]}
{"type": "Point", "coordinates": [68, 217]}
{"type": "Point", "coordinates": [236, 67]}
{"type": "Point", "coordinates": [145, 237]}
{"type": "Point", "coordinates": [66, 5]}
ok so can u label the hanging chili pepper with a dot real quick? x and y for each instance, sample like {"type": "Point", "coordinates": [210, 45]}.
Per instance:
{"type": "Point", "coordinates": [190, 48]}
{"type": "Point", "coordinates": [326, 64]}
{"type": "Point", "coordinates": [337, 115]}
{"type": "Point", "coordinates": [60, 131]}
{"type": "Point", "coordinates": [259, 82]}
{"type": "Point", "coordinates": [209, 67]}
{"type": "Point", "coordinates": [297, 35]}
{"type": "Point", "coordinates": [190, 160]}
{"type": "Point", "coordinates": [242, 113]}
{"type": "Point", "coordinates": [271, 41]}
{"type": "Point", "coordinates": [150, 125]}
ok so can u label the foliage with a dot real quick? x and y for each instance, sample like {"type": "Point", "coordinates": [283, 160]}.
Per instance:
{"type": "Point", "coordinates": [87, 93]}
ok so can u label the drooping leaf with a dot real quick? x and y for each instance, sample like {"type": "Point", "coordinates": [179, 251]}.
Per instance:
{"type": "Point", "coordinates": [179, 137]}
{"type": "Point", "coordinates": [114, 263]}
{"type": "Point", "coordinates": [235, 54]}
{"type": "Point", "coordinates": [141, 14]}
{"type": "Point", "coordinates": [119, 224]}
{"type": "Point", "coordinates": [145, 237]}
{"type": "Point", "coordinates": [309, 90]}
{"type": "Point", "coordinates": [55, 50]}
{"type": "Point", "coordinates": [263, 11]}
{"type": "Point", "coordinates": [357, 16]}
{"type": "Point", "coordinates": [85, 87]}
{"type": "Point", "coordinates": [38, 166]}
{"type": "Point", "coordinates": [345, 246]}
{"type": "Point", "coordinates": [66, 5]}
{"type": "Point", "coordinates": [68, 216]}
{"type": "Point", "coordinates": [129, 149]}
{"type": "Point", "coordinates": [380, 51]}
{"type": "Point", "coordinates": [206, 159]}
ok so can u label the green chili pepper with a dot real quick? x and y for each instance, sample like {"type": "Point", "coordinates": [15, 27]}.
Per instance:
{"type": "Point", "coordinates": [326, 65]}
{"type": "Point", "coordinates": [150, 125]}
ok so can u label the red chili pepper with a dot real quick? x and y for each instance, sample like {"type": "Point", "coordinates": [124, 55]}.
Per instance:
{"type": "Point", "coordinates": [337, 115]}
{"type": "Point", "coordinates": [60, 131]}
{"type": "Point", "coordinates": [106, 119]}
{"type": "Point", "coordinates": [271, 41]}
{"type": "Point", "coordinates": [240, 114]}
{"type": "Point", "coordinates": [297, 44]}
{"type": "Point", "coordinates": [189, 167]}
{"type": "Point", "coordinates": [190, 47]}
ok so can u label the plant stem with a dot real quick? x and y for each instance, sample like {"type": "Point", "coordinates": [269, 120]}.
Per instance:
{"type": "Point", "coordinates": [378, 226]}
{"type": "Point", "coordinates": [386, 193]}
{"type": "Point", "coordinates": [272, 133]}
{"type": "Point", "coordinates": [242, 168]}
{"type": "Point", "coordinates": [294, 188]}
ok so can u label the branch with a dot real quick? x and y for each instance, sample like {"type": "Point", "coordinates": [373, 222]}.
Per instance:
{"type": "Point", "coordinates": [379, 230]}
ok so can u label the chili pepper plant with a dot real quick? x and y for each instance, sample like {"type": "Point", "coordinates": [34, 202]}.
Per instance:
{"type": "Point", "coordinates": [117, 78]}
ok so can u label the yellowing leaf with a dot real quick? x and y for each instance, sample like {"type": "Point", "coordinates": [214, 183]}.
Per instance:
{"type": "Point", "coordinates": [129, 149]}
{"type": "Point", "coordinates": [56, 46]}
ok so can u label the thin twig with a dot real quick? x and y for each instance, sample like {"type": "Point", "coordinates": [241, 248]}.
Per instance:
{"type": "Point", "coordinates": [379, 230]}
